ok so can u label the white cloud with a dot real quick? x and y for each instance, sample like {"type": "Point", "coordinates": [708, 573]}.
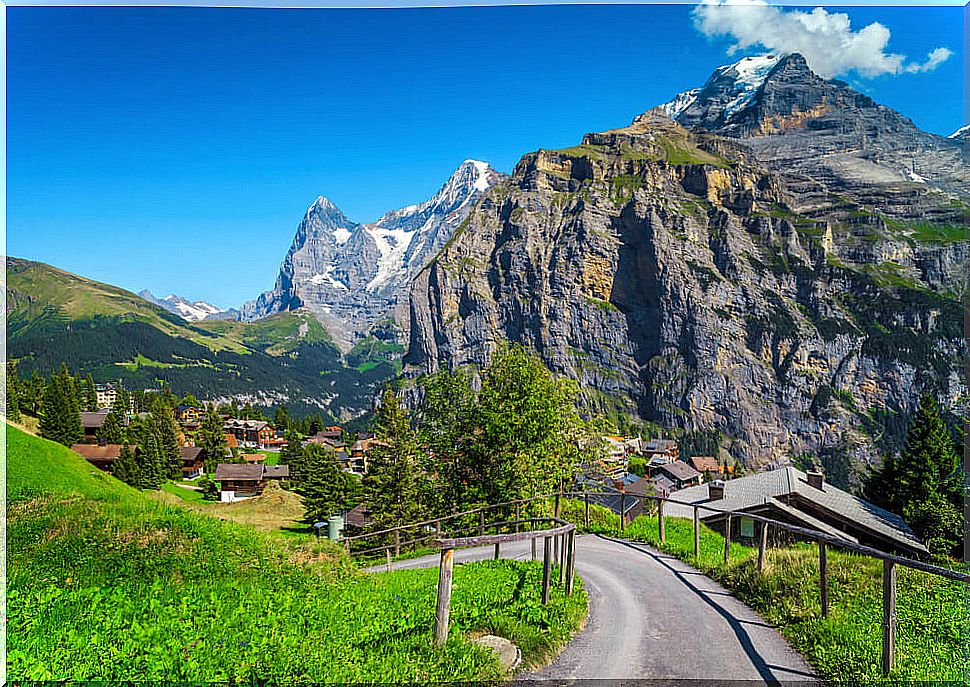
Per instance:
{"type": "Point", "coordinates": [826, 39]}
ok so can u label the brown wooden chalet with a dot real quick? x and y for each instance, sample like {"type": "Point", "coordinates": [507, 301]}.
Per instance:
{"type": "Point", "coordinates": [250, 432]}
{"type": "Point", "coordinates": [239, 480]}
{"type": "Point", "coordinates": [91, 424]}
{"type": "Point", "coordinates": [193, 461]}
{"type": "Point", "coordinates": [101, 456]}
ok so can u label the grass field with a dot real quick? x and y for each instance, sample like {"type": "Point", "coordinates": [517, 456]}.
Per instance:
{"type": "Point", "coordinates": [106, 583]}
{"type": "Point", "coordinates": [933, 613]}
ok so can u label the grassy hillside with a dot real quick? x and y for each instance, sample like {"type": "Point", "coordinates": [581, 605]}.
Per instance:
{"type": "Point", "coordinates": [55, 316]}
{"type": "Point", "coordinates": [107, 584]}
{"type": "Point", "coordinates": [933, 615]}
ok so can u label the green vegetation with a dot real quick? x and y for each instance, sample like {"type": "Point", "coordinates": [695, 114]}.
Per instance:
{"type": "Point", "coordinates": [107, 584]}
{"type": "Point", "coordinates": [846, 646]}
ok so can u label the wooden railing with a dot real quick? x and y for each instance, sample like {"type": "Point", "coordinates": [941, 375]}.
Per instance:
{"type": "Point", "coordinates": [564, 534]}
{"type": "Point", "coordinates": [824, 540]}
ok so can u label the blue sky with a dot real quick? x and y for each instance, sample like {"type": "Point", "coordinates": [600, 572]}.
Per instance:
{"type": "Point", "coordinates": [176, 149]}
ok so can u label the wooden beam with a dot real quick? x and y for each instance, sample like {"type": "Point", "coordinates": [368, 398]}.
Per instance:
{"type": "Point", "coordinates": [546, 563]}
{"type": "Point", "coordinates": [727, 539]}
{"type": "Point", "coordinates": [586, 499]}
{"type": "Point", "coordinates": [564, 553]}
{"type": "Point", "coordinates": [762, 546]}
{"type": "Point", "coordinates": [571, 561]}
{"type": "Point", "coordinates": [444, 597]}
{"type": "Point", "coordinates": [888, 616]}
{"type": "Point", "coordinates": [516, 516]}
{"type": "Point", "coordinates": [823, 578]}
{"type": "Point", "coordinates": [660, 521]}
{"type": "Point", "coordinates": [388, 552]}
{"type": "Point", "coordinates": [697, 533]}
{"type": "Point", "coordinates": [397, 543]}
{"type": "Point", "coordinates": [481, 522]}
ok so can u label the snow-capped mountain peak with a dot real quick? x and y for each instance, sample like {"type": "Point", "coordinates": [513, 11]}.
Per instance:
{"type": "Point", "coordinates": [962, 134]}
{"type": "Point", "coordinates": [192, 311]}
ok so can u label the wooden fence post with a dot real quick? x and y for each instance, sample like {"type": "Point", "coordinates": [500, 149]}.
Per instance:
{"type": "Point", "coordinates": [697, 533]}
{"type": "Point", "coordinates": [496, 551]}
{"type": "Point", "coordinates": [571, 562]}
{"type": "Point", "coordinates": [586, 499]}
{"type": "Point", "coordinates": [660, 521]}
{"type": "Point", "coordinates": [823, 578]}
{"type": "Point", "coordinates": [563, 557]}
{"type": "Point", "coordinates": [622, 511]}
{"type": "Point", "coordinates": [444, 597]}
{"type": "Point", "coordinates": [517, 517]}
{"type": "Point", "coordinates": [727, 539]}
{"type": "Point", "coordinates": [888, 616]}
{"type": "Point", "coordinates": [388, 552]}
{"type": "Point", "coordinates": [546, 564]}
{"type": "Point", "coordinates": [397, 543]}
{"type": "Point", "coordinates": [762, 547]}
{"type": "Point", "coordinates": [481, 522]}
{"type": "Point", "coordinates": [556, 512]}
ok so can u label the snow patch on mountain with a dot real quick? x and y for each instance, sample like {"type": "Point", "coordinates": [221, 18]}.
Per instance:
{"type": "Point", "coordinates": [680, 103]}
{"type": "Point", "coordinates": [393, 245]}
{"type": "Point", "coordinates": [962, 133]}
{"type": "Point", "coordinates": [747, 74]}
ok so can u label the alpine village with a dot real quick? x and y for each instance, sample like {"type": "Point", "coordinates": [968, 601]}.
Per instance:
{"type": "Point", "coordinates": [716, 353]}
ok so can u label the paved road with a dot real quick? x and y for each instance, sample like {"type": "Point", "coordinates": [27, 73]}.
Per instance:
{"type": "Point", "coordinates": [652, 616]}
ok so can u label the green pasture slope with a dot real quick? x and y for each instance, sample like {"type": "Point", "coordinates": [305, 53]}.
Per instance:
{"type": "Point", "coordinates": [105, 583]}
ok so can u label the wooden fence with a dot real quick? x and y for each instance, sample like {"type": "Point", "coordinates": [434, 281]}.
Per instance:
{"type": "Point", "coordinates": [824, 540]}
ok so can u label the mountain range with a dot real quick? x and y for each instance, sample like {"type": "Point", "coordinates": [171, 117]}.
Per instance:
{"type": "Point", "coordinates": [191, 311]}
{"type": "Point", "coordinates": [771, 262]}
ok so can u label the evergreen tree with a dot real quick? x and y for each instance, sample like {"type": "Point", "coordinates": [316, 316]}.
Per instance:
{"type": "Point", "coordinates": [209, 488]}
{"type": "Point", "coordinates": [282, 422]}
{"type": "Point", "coordinates": [60, 417]}
{"type": "Point", "coordinates": [151, 459]}
{"type": "Point", "coordinates": [126, 468]}
{"type": "Point", "coordinates": [33, 397]}
{"type": "Point", "coordinates": [392, 486]}
{"type": "Point", "coordinates": [325, 488]}
{"type": "Point", "coordinates": [212, 438]}
{"type": "Point", "coordinates": [314, 424]}
{"type": "Point", "coordinates": [170, 439]}
{"type": "Point", "coordinates": [114, 430]}
{"type": "Point", "coordinates": [90, 395]}
{"type": "Point", "coordinates": [190, 400]}
{"type": "Point", "coordinates": [13, 393]}
{"type": "Point", "coordinates": [924, 483]}
{"type": "Point", "coordinates": [292, 455]}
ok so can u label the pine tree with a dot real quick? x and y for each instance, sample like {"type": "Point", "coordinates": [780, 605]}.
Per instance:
{"type": "Point", "coordinates": [281, 420]}
{"type": "Point", "coordinates": [126, 468]}
{"type": "Point", "coordinates": [33, 397]}
{"type": "Point", "coordinates": [292, 455]}
{"type": "Point", "coordinates": [60, 417]}
{"type": "Point", "coordinates": [13, 393]}
{"type": "Point", "coordinates": [151, 459]}
{"type": "Point", "coordinates": [114, 429]}
{"type": "Point", "coordinates": [90, 395]}
{"type": "Point", "coordinates": [924, 483]}
{"type": "Point", "coordinates": [325, 488]}
{"type": "Point", "coordinates": [392, 485]}
{"type": "Point", "coordinates": [211, 437]}
{"type": "Point", "coordinates": [170, 440]}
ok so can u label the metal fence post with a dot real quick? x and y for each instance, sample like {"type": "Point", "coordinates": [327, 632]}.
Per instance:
{"type": "Point", "coordinates": [496, 552]}
{"type": "Point", "coordinates": [888, 616]}
{"type": "Point", "coordinates": [823, 578]}
{"type": "Point", "coordinates": [727, 538]}
{"type": "Point", "coordinates": [444, 597]}
{"type": "Point", "coordinates": [546, 564]}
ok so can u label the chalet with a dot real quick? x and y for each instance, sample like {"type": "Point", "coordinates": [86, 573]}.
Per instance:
{"type": "Point", "coordinates": [679, 473]}
{"type": "Point", "coordinates": [101, 456]}
{"type": "Point", "coordinates": [359, 517]}
{"type": "Point", "coordinates": [275, 444]}
{"type": "Point", "coordinates": [709, 465]}
{"type": "Point", "coordinates": [326, 442]}
{"type": "Point", "coordinates": [797, 498]}
{"type": "Point", "coordinates": [277, 472]}
{"type": "Point", "coordinates": [662, 485]}
{"type": "Point", "coordinates": [91, 424]}
{"type": "Point", "coordinates": [251, 433]}
{"type": "Point", "coordinates": [239, 481]}
{"type": "Point", "coordinates": [189, 416]}
{"type": "Point", "coordinates": [253, 457]}
{"type": "Point", "coordinates": [664, 450]}
{"type": "Point", "coordinates": [193, 461]}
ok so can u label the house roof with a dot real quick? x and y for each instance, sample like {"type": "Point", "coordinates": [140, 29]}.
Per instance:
{"type": "Point", "coordinates": [662, 483]}
{"type": "Point", "coordinates": [745, 493]}
{"type": "Point", "coordinates": [659, 445]}
{"type": "Point", "coordinates": [233, 423]}
{"type": "Point", "coordinates": [705, 463]}
{"type": "Point", "coordinates": [679, 471]}
{"type": "Point", "coordinates": [96, 452]}
{"type": "Point", "coordinates": [253, 457]}
{"type": "Point", "coordinates": [190, 453]}
{"type": "Point", "coordinates": [93, 420]}
{"type": "Point", "coordinates": [276, 471]}
{"type": "Point", "coordinates": [359, 516]}
{"type": "Point", "coordinates": [239, 472]}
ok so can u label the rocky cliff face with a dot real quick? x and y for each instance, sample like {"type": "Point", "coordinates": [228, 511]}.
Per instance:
{"type": "Point", "coordinates": [679, 279]}
{"type": "Point", "coordinates": [353, 277]}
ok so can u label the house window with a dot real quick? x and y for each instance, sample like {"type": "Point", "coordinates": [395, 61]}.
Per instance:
{"type": "Point", "coordinates": [747, 528]}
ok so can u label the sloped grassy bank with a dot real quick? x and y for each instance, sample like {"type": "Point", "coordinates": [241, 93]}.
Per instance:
{"type": "Point", "coordinates": [933, 613]}
{"type": "Point", "coordinates": [105, 583]}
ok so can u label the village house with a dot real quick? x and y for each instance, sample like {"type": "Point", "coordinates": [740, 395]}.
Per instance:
{"type": "Point", "coordinates": [106, 393]}
{"type": "Point", "coordinates": [798, 498]}
{"type": "Point", "coordinates": [101, 456]}
{"type": "Point", "coordinates": [680, 474]}
{"type": "Point", "coordinates": [253, 457]}
{"type": "Point", "coordinates": [91, 424]}
{"type": "Point", "coordinates": [189, 417]}
{"type": "Point", "coordinates": [663, 449]}
{"type": "Point", "coordinates": [276, 472]}
{"type": "Point", "coordinates": [193, 461]}
{"type": "Point", "coordinates": [250, 433]}
{"type": "Point", "coordinates": [239, 481]}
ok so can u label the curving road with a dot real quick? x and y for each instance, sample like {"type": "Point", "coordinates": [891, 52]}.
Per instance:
{"type": "Point", "coordinates": [652, 616]}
